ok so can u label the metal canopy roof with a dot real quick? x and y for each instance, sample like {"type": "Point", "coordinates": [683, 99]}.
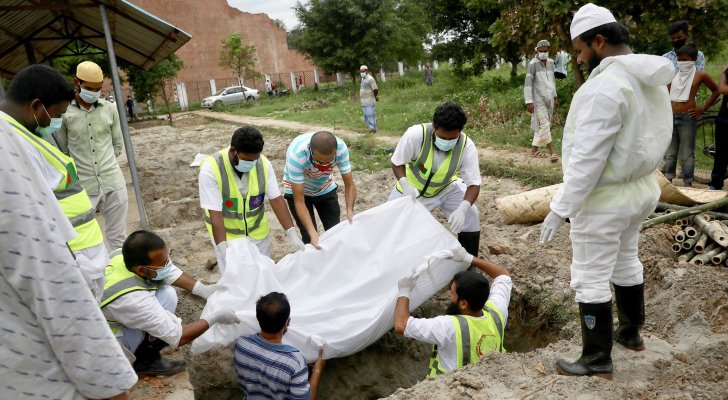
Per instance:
{"type": "Point", "coordinates": [33, 31]}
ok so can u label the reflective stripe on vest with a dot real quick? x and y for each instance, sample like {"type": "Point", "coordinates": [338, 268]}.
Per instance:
{"type": "Point", "coordinates": [418, 172]}
{"type": "Point", "coordinates": [71, 196]}
{"type": "Point", "coordinates": [239, 220]}
{"type": "Point", "coordinates": [120, 281]}
{"type": "Point", "coordinates": [467, 351]}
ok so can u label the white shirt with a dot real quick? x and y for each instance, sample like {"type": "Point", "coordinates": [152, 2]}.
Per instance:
{"type": "Point", "coordinates": [141, 310]}
{"type": "Point", "coordinates": [55, 341]}
{"type": "Point", "coordinates": [408, 149]}
{"type": "Point", "coordinates": [211, 196]}
{"type": "Point", "coordinates": [440, 330]}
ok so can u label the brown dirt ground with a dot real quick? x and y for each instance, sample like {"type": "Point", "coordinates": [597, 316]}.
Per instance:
{"type": "Point", "coordinates": [685, 331]}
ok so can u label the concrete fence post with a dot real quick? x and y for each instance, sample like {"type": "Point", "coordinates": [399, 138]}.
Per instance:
{"type": "Point", "coordinates": [435, 65]}
{"type": "Point", "coordinates": [383, 75]}
{"type": "Point", "coordinates": [316, 77]}
{"type": "Point", "coordinates": [419, 66]}
{"type": "Point", "coordinates": [293, 82]}
{"type": "Point", "coordinates": [213, 86]}
{"type": "Point", "coordinates": [182, 97]}
{"type": "Point", "coordinates": [400, 67]}
{"type": "Point", "coordinates": [339, 79]}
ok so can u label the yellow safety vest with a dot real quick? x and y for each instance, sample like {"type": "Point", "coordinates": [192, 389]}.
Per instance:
{"type": "Point", "coordinates": [72, 197]}
{"type": "Point", "coordinates": [474, 338]}
{"type": "Point", "coordinates": [120, 281]}
{"type": "Point", "coordinates": [243, 215]}
{"type": "Point", "coordinates": [419, 173]}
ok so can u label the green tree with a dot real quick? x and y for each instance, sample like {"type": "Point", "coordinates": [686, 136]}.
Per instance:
{"type": "Point", "coordinates": [156, 81]}
{"type": "Point", "coordinates": [340, 35]}
{"type": "Point", "coordinates": [238, 57]}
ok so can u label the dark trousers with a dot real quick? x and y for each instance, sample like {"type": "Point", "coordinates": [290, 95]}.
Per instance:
{"type": "Point", "coordinates": [721, 152]}
{"type": "Point", "coordinates": [327, 207]}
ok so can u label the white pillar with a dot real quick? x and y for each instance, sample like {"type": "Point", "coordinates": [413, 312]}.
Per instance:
{"type": "Point", "coordinates": [213, 86]}
{"type": "Point", "coordinates": [182, 97]}
{"type": "Point", "coordinates": [316, 77]}
{"type": "Point", "coordinates": [419, 66]}
{"type": "Point", "coordinates": [293, 82]}
{"type": "Point", "coordinates": [382, 75]}
{"type": "Point", "coordinates": [339, 79]}
{"type": "Point", "coordinates": [435, 65]}
{"type": "Point", "coordinates": [400, 67]}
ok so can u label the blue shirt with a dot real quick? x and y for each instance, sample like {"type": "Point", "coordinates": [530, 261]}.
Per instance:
{"type": "Point", "coordinates": [270, 371]}
{"type": "Point", "coordinates": [699, 63]}
{"type": "Point", "coordinates": [300, 169]}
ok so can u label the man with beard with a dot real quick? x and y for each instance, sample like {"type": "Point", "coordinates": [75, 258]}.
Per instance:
{"type": "Point", "coordinates": [678, 32]}
{"type": "Point", "coordinates": [619, 126]}
{"type": "Point", "coordinates": [475, 320]}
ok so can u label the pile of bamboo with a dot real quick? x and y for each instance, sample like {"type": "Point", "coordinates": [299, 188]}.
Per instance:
{"type": "Point", "coordinates": [701, 240]}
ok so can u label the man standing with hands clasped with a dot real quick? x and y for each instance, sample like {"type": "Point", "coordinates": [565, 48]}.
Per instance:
{"type": "Point", "coordinates": [619, 126]}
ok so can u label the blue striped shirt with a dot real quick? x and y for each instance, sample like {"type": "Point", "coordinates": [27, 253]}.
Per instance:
{"type": "Point", "coordinates": [270, 371]}
{"type": "Point", "coordinates": [300, 169]}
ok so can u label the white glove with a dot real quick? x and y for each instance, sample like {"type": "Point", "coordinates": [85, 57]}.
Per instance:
{"type": "Point", "coordinates": [457, 218]}
{"type": "Point", "coordinates": [407, 189]}
{"type": "Point", "coordinates": [226, 317]}
{"type": "Point", "coordinates": [405, 286]}
{"type": "Point", "coordinates": [551, 226]}
{"type": "Point", "coordinates": [459, 254]}
{"type": "Point", "coordinates": [294, 239]}
{"type": "Point", "coordinates": [204, 291]}
{"type": "Point", "coordinates": [220, 254]}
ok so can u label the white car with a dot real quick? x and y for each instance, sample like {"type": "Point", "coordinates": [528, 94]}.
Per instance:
{"type": "Point", "coordinates": [231, 95]}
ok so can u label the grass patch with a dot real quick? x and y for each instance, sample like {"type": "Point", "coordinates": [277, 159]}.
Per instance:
{"type": "Point", "coordinates": [533, 176]}
{"type": "Point", "coordinates": [552, 311]}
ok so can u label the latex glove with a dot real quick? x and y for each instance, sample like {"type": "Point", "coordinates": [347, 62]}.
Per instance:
{"type": "Point", "coordinates": [551, 226]}
{"type": "Point", "coordinates": [294, 239]}
{"type": "Point", "coordinates": [407, 189]}
{"type": "Point", "coordinates": [225, 316]}
{"type": "Point", "coordinates": [204, 291]}
{"type": "Point", "coordinates": [405, 286]}
{"type": "Point", "coordinates": [459, 254]}
{"type": "Point", "coordinates": [457, 218]}
{"type": "Point", "coordinates": [220, 254]}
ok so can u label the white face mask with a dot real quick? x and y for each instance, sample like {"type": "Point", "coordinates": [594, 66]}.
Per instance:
{"type": "Point", "coordinates": [685, 66]}
{"type": "Point", "coordinates": [88, 96]}
{"type": "Point", "coordinates": [363, 75]}
{"type": "Point", "coordinates": [543, 56]}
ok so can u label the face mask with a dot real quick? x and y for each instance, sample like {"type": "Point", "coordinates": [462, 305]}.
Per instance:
{"type": "Point", "coordinates": [677, 44]}
{"type": "Point", "coordinates": [543, 56]}
{"type": "Point", "coordinates": [164, 272]}
{"type": "Point", "coordinates": [88, 96]}
{"type": "Point", "coordinates": [245, 165]}
{"type": "Point", "coordinates": [445, 145]}
{"type": "Point", "coordinates": [363, 75]}
{"type": "Point", "coordinates": [685, 66]}
{"type": "Point", "coordinates": [46, 131]}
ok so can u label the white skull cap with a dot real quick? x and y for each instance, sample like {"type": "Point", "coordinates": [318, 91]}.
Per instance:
{"type": "Point", "coordinates": [589, 17]}
{"type": "Point", "coordinates": [363, 68]}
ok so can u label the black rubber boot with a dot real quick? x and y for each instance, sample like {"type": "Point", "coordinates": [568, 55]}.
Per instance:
{"type": "Point", "coordinates": [470, 242]}
{"type": "Point", "coordinates": [631, 314]}
{"type": "Point", "coordinates": [596, 338]}
{"type": "Point", "coordinates": [149, 361]}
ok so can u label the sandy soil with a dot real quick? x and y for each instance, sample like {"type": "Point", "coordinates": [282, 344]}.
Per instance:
{"type": "Point", "coordinates": [686, 325]}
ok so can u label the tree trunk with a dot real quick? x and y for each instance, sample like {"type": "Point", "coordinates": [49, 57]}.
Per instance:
{"type": "Point", "coordinates": [514, 69]}
{"type": "Point", "coordinates": [165, 97]}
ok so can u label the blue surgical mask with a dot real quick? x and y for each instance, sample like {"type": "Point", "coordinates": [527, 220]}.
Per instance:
{"type": "Point", "coordinates": [245, 165]}
{"type": "Point", "coordinates": [164, 272]}
{"type": "Point", "coordinates": [445, 145]}
{"type": "Point", "coordinates": [88, 96]}
{"type": "Point", "coordinates": [46, 131]}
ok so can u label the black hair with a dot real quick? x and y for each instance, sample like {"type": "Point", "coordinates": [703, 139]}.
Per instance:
{"type": "Point", "coordinates": [137, 246]}
{"type": "Point", "coordinates": [678, 26]}
{"type": "Point", "coordinates": [473, 288]}
{"type": "Point", "coordinates": [324, 142]}
{"type": "Point", "coordinates": [272, 312]}
{"type": "Point", "coordinates": [689, 50]}
{"type": "Point", "coordinates": [450, 117]}
{"type": "Point", "coordinates": [42, 82]}
{"type": "Point", "coordinates": [247, 139]}
{"type": "Point", "coordinates": [614, 33]}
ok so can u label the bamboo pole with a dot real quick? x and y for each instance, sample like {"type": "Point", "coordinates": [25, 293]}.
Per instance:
{"type": "Point", "coordinates": [691, 232]}
{"type": "Point", "coordinates": [720, 257]}
{"type": "Point", "coordinates": [677, 247]}
{"type": "Point", "coordinates": [686, 213]}
{"type": "Point", "coordinates": [700, 244]}
{"type": "Point", "coordinates": [686, 257]}
{"type": "Point", "coordinates": [689, 243]}
{"type": "Point", "coordinates": [706, 256]}
{"type": "Point", "coordinates": [680, 236]}
{"type": "Point", "coordinates": [670, 208]}
{"type": "Point", "coordinates": [714, 229]}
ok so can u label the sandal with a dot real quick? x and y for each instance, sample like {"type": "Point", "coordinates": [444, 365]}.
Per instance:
{"type": "Point", "coordinates": [554, 158]}
{"type": "Point", "coordinates": [537, 154]}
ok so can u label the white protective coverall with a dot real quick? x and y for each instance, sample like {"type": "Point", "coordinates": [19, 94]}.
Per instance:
{"type": "Point", "coordinates": [540, 89]}
{"type": "Point", "coordinates": [617, 130]}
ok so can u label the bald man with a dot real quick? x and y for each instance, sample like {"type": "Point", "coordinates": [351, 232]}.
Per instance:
{"type": "Point", "coordinates": [309, 182]}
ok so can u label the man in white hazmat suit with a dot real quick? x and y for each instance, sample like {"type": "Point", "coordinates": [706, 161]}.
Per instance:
{"type": "Point", "coordinates": [539, 93]}
{"type": "Point", "coordinates": [617, 130]}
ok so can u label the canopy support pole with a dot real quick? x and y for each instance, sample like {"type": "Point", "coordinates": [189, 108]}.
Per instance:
{"type": "Point", "coordinates": [122, 118]}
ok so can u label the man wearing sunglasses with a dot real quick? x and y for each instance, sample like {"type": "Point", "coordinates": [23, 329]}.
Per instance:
{"type": "Point", "coordinates": [139, 303]}
{"type": "Point", "coordinates": [309, 183]}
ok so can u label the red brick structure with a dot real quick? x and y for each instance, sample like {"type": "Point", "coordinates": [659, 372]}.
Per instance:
{"type": "Point", "coordinates": [211, 21]}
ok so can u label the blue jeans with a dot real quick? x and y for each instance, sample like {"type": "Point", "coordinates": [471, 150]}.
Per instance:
{"type": "Point", "coordinates": [682, 145]}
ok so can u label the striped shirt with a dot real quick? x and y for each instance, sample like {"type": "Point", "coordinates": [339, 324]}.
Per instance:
{"type": "Point", "coordinates": [270, 371]}
{"type": "Point", "coordinates": [299, 167]}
